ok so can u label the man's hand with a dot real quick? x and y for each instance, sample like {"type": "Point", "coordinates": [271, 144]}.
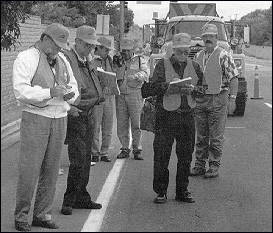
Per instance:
{"type": "Point", "coordinates": [187, 90]}
{"type": "Point", "coordinates": [58, 91]}
{"type": "Point", "coordinates": [231, 106]}
{"type": "Point", "coordinates": [69, 96]}
{"type": "Point", "coordinates": [74, 111]}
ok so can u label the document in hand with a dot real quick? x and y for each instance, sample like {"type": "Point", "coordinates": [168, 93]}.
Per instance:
{"type": "Point", "coordinates": [109, 80]}
{"type": "Point", "coordinates": [181, 82]}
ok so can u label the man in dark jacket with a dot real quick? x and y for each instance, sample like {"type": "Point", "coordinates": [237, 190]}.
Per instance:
{"type": "Point", "coordinates": [79, 127]}
{"type": "Point", "coordinates": [174, 118]}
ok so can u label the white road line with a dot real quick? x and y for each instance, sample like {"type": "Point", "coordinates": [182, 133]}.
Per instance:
{"type": "Point", "coordinates": [235, 127]}
{"type": "Point", "coordinates": [269, 105]}
{"type": "Point", "coordinates": [95, 218]}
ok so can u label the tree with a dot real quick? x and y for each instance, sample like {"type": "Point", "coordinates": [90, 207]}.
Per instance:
{"type": "Point", "coordinates": [12, 13]}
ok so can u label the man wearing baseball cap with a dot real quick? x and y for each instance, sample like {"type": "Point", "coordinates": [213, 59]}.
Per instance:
{"type": "Point", "coordinates": [131, 75]}
{"type": "Point", "coordinates": [45, 86]}
{"type": "Point", "coordinates": [103, 113]}
{"type": "Point", "coordinates": [80, 127]}
{"type": "Point", "coordinates": [220, 75]}
{"type": "Point", "coordinates": [174, 117]}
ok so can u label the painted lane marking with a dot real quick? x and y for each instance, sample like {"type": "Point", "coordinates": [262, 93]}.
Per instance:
{"type": "Point", "coordinates": [269, 105]}
{"type": "Point", "coordinates": [95, 218]}
{"type": "Point", "coordinates": [235, 127]}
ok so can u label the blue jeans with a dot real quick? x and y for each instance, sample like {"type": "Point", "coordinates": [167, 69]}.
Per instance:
{"type": "Point", "coordinates": [210, 120]}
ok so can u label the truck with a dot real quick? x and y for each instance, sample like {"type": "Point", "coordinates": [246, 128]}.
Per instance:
{"type": "Point", "coordinates": [190, 18]}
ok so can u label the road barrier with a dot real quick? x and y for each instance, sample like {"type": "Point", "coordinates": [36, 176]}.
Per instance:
{"type": "Point", "coordinates": [256, 85]}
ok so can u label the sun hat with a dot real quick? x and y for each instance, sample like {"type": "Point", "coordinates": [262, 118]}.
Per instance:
{"type": "Point", "coordinates": [87, 34]}
{"type": "Point", "coordinates": [181, 40]}
{"type": "Point", "coordinates": [58, 33]}
{"type": "Point", "coordinates": [105, 42]}
{"type": "Point", "coordinates": [126, 44]}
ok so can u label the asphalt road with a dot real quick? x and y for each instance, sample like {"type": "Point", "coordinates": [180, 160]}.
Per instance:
{"type": "Point", "coordinates": [239, 200]}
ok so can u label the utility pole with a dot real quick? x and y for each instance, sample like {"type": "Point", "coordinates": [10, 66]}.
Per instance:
{"type": "Point", "coordinates": [121, 28]}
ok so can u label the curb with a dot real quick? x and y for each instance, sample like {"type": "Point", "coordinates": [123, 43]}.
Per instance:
{"type": "Point", "coordinates": [10, 134]}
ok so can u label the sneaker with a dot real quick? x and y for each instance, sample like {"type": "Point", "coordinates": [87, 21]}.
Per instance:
{"type": "Point", "coordinates": [66, 210]}
{"type": "Point", "coordinates": [105, 159]}
{"type": "Point", "coordinates": [185, 197]}
{"type": "Point", "coordinates": [22, 226]}
{"type": "Point", "coordinates": [61, 172]}
{"type": "Point", "coordinates": [95, 158]}
{"type": "Point", "coordinates": [45, 224]}
{"type": "Point", "coordinates": [212, 172]}
{"type": "Point", "coordinates": [93, 163]}
{"type": "Point", "coordinates": [198, 171]}
{"type": "Point", "coordinates": [125, 153]}
{"type": "Point", "coordinates": [137, 155]}
{"type": "Point", "coordinates": [160, 199]}
{"type": "Point", "coordinates": [88, 205]}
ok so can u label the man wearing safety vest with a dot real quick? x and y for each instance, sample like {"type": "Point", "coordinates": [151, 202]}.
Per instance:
{"type": "Point", "coordinates": [131, 75]}
{"type": "Point", "coordinates": [220, 75]}
{"type": "Point", "coordinates": [174, 117]}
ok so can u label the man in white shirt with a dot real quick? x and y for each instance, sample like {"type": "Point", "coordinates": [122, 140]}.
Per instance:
{"type": "Point", "coordinates": [44, 84]}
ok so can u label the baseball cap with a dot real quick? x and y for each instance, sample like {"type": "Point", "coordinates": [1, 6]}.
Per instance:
{"type": "Point", "coordinates": [87, 34]}
{"type": "Point", "coordinates": [209, 29]}
{"type": "Point", "coordinates": [58, 33]}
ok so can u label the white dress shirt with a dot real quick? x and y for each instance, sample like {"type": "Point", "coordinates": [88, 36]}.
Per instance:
{"type": "Point", "coordinates": [24, 68]}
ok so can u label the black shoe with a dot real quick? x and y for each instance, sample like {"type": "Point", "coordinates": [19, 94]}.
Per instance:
{"type": "Point", "coordinates": [197, 171]}
{"type": "Point", "coordinates": [95, 158]}
{"type": "Point", "coordinates": [137, 155]}
{"type": "Point", "coordinates": [45, 224]}
{"type": "Point", "coordinates": [22, 226]}
{"type": "Point", "coordinates": [185, 197]}
{"type": "Point", "coordinates": [160, 199]}
{"type": "Point", "coordinates": [105, 159]}
{"type": "Point", "coordinates": [88, 205]}
{"type": "Point", "coordinates": [125, 153]}
{"type": "Point", "coordinates": [66, 210]}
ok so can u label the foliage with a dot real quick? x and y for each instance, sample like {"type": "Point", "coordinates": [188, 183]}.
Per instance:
{"type": "Point", "coordinates": [260, 22]}
{"type": "Point", "coordinates": [12, 13]}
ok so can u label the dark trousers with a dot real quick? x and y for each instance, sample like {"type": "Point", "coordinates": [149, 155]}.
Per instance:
{"type": "Point", "coordinates": [183, 131]}
{"type": "Point", "coordinates": [79, 153]}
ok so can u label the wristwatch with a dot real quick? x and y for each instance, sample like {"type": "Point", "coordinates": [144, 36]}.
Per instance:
{"type": "Point", "coordinates": [232, 96]}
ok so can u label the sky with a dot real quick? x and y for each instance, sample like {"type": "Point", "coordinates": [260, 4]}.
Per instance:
{"type": "Point", "coordinates": [228, 9]}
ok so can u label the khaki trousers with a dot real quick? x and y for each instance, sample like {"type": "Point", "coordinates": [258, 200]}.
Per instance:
{"type": "Point", "coordinates": [128, 108]}
{"type": "Point", "coordinates": [42, 140]}
{"type": "Point", "coordinates": [102, 118]}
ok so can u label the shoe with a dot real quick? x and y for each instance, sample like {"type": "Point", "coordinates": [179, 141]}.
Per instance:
{"type": "Point", "coordinates": [61, 172]}
{"type": "Point", "coordinates": [160, 199]}
{"type": "Point", "coordinates": [45, 224]}
{"type": "Point", "coordinates": [197, 171]}
{"type": "Point", "coordinates": [22, 226]}
{"type": "Point", "coordinates": [88, 205]}
{"type": "Point", "coordinates": [137, 155]}
{"type": "Point", "coordinates": [185, 197]}
{"type": "Point", "coordinates": [212, 173]}
{"type": "Point", "coordinates": [105, 159]}
{"type": "Point", "coordinates": [125, 153]}
{"type": "Point", "coordinates": [95, 158]}
{"type": "Point", "coordinates": [92, 164]}
{"type": "Point", "coordinates": [66, 210]}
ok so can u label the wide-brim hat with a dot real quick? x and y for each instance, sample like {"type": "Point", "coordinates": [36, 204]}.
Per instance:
{"type": "Point", "coordinates": [105, 42]}
{"type": "Point", "coordinates": [87, 34]}
{"type": "Point", "coordinates": [126, 44]}
{"type": "Point", "coordinates": [58, 33]}
{"type": "Point", "coordinates": [209, 29]}
{"type": "Point", "coordinates": [181, 40]}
